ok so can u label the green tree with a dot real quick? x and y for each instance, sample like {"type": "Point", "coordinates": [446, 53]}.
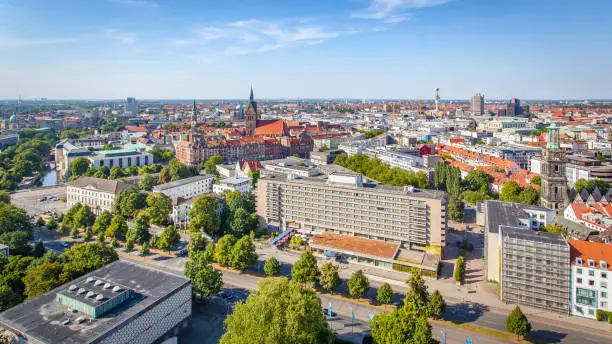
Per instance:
{"type": "Point", "coordinates": [582, 184]}
{"type": "Point", "coordinates": [205, 280]}
{"type": "Point", "coordinates": [8, 297]}
{"type": "Point", "coordinates": [13, 219]}
{"type": "Point", "coordinates": [455, 208]}
{"type": "Point", "coordinates": [71, 213]}
{"type": "Point", "coordinates": [459, 269]}
{"type": "Point", "coordinates": [116, 172]}
{"type": "Point", "coordinates": [87, 235]}
{"type": "Point", "coordinates": [68, 134]}
{"type": "Point", "coordinates": [296, 240]}
{"type": "Point", "coordinates": [118, 227]}
{"type": "Point", "coordinates": [83, 218]}
{"type": "Point", "coordinates": [437, 305]}
{"type": "Point", "coordinates": [103, 172]}
{"type": "Point", "coordinates": [478, 180]}
{"type": "Point", "coordinates": [169, 238]}
{"type": "Point", "coordinates": [78, 167]}
{"type": "Point", "coordinates": [129, 245]}
{"type": "Point", "coordinates": [474, 197]}
{"type": "Point", "coordinates": [204, 216]}
{"type": "Point", "coordinates": [537, 180]}
{"type": "Point", "coordinates": [209, 253]}
{"type": "Point", "coordinates": [224, 250]}
{"type": "Point", "coordinates": [131, 202]}
{"type": "Point", "coordinates": [159, 207]}
{"type": "Point", "coordinates": [210, 166]}
{"type": "Point", "coordinates": [14, 271]}
{"type": "Point", "coordinates": [102, 222]}
{"type": "Point", "coordinates": [236, 200]}
{"type": "Point", "coordinates": [114, 243]}
{"type": "Point", "coordinates": [517, 323]}
{"type": "Point", "coordinates": [5, 197]}
{"type": "Point", "coordinates": [146, 182]}
{"type": "Point", "coordinates": [510, 192]}
{"type": "Point", "coordinates": [385, 294]}
{"type": "Point", "coordinates": [51, 224]}
{"type": "Point", "coordinates": [84, 258]}
{"type": "Point", "coordinates": [197, 242]}
{"type": "Point", "coordinates": [144, 249]}
{"type": "Point", "coordinates": [40, 222]}
{"type": "Point", "coordinates": [305, 270]}
{"type": "Point", "coordinates": [140, 233]}
{"type": "Point", "coordinates": [329, 279]}
{"type": "Point", "coordinates": [400, 326]}
{"type": "Point", "coordinates": [243, 253]}
{"type": "Point", "coordinates": [529, 196]}
{"type": "Point", "coordinates": [242, 223]}
{"type": "Point", "coordinates": [279, 311]}
{"type": "Point", "coordinates": [40, 279]}
{"type": "Point", "coordinates": [272, 267]}
{"type": "Point", "coordinates": [74, 232]}
{"type": "Point", "coordinates": [358, 284]}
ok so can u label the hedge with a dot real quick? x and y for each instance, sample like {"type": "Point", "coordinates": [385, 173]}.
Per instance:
{"type": "Point", "coordinates": [413, 270]}
{"type": "Point", "coordinates": [600, 314]}
{"type": "Point", "coordinates": [459, 269]}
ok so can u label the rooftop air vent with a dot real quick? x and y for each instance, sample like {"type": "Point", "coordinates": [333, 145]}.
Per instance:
{"type": "Point", "coordinates": [90, 279]}
{"type": "Point", "coordinates": [107, 286]}
{"type": "Point", "coordinates": [72, 287]}
{"type": "Point", "coordinates": [81, 291]}
{"type": "Point", "coordinates": [90, 294]}
{"type": "Point", "coordinates": [100, 297]}
{"type": "Point", "coordinates": [98, 282]}
{"type": "Point", "coordinates": [116, 289]}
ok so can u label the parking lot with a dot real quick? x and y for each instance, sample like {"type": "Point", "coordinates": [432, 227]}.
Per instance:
{"type": "Point", "coordinates": [30, 200]}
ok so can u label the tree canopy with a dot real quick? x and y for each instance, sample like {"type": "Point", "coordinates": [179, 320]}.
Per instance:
{"type": "Point", "coordinates": [204, 216]}
{"type": "Point", "coordinates": [382, 172]}
{"type": "Point", "coordinates": [279, 311]}
{"type": "Point", "coordinates": [272, 267]}
{"type": "Point", "coordinates": [517, 323]}
{"type": "Point", "coordinates": [305, 270]}
{"type": "Point", "coordinates": [329, 279]}
{"type": "Point", "coordinates": [358, 284]}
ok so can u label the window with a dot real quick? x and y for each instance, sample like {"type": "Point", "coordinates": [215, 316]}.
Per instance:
{"type": "Point", "coordinates": [604, 295]}
{"type": "Point", "coordinates": [604, 275]}
{"type": "Point", "coordinates": [591, 312]}
{"type": "Point", "coordinates": [603, 304]}
{"type": "Point", "coordinates": [578, 261]}
{"type": "Point", "coordinates": [579, 271]}
{"type": "Point", "coordinates": [591, 273]}
{"type": "Point", "coordinates": [586, 297]}
{"type": "Point", "coordinates": [591, 282]}
{"type": "Point", "coordinates": [591, 263]}
{"type": "Point", "coordinates": [603, 264]}
{"type": "Point", "coordinates": [579, 280]}
{"type": "Point", "coordinates": [604, 285]}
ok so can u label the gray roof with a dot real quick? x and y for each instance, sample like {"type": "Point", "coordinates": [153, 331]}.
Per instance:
{"type": "Point", "coordinates": [104, 185]}
{"type": "Point", "coordinates": [500, 213]}
{"type": "Point", "coordinates": [41, 318]}
{"type": "Point", "coordinates": [180, 182]}
{"type": "Point", "coordinates": [534, 236]}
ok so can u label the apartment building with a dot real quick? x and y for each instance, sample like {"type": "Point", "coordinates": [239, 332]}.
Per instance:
{"type": "Point", "coordinates": [98, 194]}
{"type": "Point", "coordinates": [188, 187]}
{"type": "Point", "coordinates": [240, 184]}
{"type": "Point", "coordinates": [591, 278]}
{"type": "Point", "coordinates": [342, 203]}
{"type": "Point", "coordinates": [535, 269]}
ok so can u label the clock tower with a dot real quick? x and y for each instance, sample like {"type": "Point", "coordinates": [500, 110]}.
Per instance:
{"type": "Point", "coordinates": [553, 188]}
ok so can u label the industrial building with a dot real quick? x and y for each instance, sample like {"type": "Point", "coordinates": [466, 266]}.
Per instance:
{"type": "Point", "coordinates": [119, 303]}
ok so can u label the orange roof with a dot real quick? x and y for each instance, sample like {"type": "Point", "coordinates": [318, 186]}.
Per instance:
{"type": "Point", "coordinates": [590, 250]}
{"type": "Point", "coordinates": [345, 243]}
{"type": "Point", "coordinates": [135, 128]}
{"type": "Point", "coordinates": [273, 127]}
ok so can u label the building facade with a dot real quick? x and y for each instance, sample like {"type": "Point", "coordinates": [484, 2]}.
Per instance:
{"type": "Point", "coordinates": [553, 188]}
{"type": "Point", "coordinates": [98, 194]}
{"type": "Point", "coordinates": [535, 269]}
{"type": "Point", "coordinates": [591, 278]}
{"type": "Point", "coordinates": [477, 104]}
{"type": "Point", "coordinates": [188, 187]}
{"type": "Point", "coordinates": [343, 204]}
{"type": "Point", "coordinates": [240, 184]}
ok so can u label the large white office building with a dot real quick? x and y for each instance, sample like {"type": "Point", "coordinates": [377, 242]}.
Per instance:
{"type": "Point", "coordinates": [188, 187]}
{"type": "Point", "coordinates": [233, 184]}
{"type": "Point", "coordinates": [591, 278]}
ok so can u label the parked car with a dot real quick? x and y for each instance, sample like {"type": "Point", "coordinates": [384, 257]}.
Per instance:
{"type": "Point", "coordinates": [42, 198]}
{"type": "Point", "coordinates": [182, 253]}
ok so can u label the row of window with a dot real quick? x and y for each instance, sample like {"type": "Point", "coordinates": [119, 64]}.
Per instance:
{"type": "Point", "coordinates": [591, 273]}
{"type": "Point", "coordinates": [591, 283]}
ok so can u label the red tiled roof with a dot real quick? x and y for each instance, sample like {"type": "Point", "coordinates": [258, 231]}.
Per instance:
{"type": "Point", "coordinates": [590, 250]}
{"type": "Point", "coordinates": [345, 243]}
{"type": "Point", "coordinates": [273, 127]}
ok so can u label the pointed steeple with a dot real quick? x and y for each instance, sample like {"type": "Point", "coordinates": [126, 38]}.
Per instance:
{"type": "Point", "coordinates": [251, 98]}
{"type": "Point", "coordinates": [194, 116]}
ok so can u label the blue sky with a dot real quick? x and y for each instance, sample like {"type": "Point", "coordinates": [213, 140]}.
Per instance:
{"type": "Point", "coordinates": [544, 49]}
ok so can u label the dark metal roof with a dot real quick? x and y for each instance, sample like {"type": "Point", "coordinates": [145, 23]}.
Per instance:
{"type": "Point", "coordinates": [41, 318]}
{"type": "Point", "coordinates": [500, 213]}
{"type": "Point", "coordinates": [532, 235]}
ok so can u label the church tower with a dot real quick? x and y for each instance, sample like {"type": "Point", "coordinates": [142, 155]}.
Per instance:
{"type": "Point", "coordinates": [553, 188]}
{"type": "Point", "coordinates": [194, 117]}
{"type": "Point", "coordinates": [250, 116]}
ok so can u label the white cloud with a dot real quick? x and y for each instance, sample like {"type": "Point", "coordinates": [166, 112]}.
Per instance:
{"type": "Point", "coordinates": [141, 3]}
{"type": "Point", "coordinates": [9, 41]}
{"type": "Point", "coordinates": [256, 36]}
{"type": "Point", "coordinates": [392, 11]}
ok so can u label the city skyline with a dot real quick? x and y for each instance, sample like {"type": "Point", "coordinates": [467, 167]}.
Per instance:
{"type": "Point", "coordinates": [378, 49]}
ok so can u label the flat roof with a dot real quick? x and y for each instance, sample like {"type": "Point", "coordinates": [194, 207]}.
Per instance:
{"type": "Point", "coordinates": [355, 245]}
{"type": "Point", "coordinates": [533, 235]}
{"type": "Point", "coordinates": [322, 180]}
{"type": "Point", "coordinates": [41, 318]}
{"type": "Point", "coordinates": [234, 180]}
{"type": "Point", "coordinates": [180, 182]}
{"type": "Point", "coordinates": [500, 213]}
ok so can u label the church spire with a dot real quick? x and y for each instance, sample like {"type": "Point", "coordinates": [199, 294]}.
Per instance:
{"type": "Point", "coordinates": [194, 116]}
{"type": "Point", "coordinates": [252, 98]}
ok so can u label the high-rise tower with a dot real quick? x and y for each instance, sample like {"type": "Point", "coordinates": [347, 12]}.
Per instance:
{"type": "Point", "coordinates": [250, 116]}
{"type": "Point", "coordinates": [553, 185]}
{"type": "Point", "coordinates": [477, 104]}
